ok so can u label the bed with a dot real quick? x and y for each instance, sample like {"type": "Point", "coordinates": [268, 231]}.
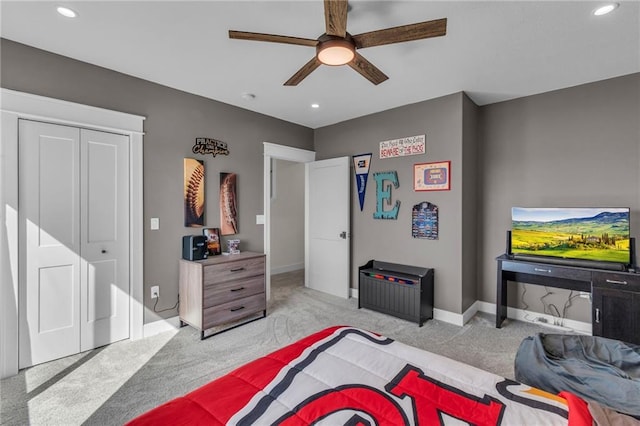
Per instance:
{"type": "Point", "coordinates": [349, 376]}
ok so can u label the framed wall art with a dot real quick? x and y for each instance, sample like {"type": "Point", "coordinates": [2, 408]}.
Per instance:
{"type": "Point", "coordinates": [432, 176]}
{"type": "Point", "coordinates": [424, 221]}
{"type": "Point", "coordinates": [193, 192]}
{"type": "Point", "coordinates": [228, 204]}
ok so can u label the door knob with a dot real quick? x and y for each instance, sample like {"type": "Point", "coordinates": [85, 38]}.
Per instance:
{"type": "Point", "coordinates": [343, 235]}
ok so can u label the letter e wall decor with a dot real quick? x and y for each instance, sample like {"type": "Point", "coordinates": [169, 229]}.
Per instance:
{"type": "Point", "coordinates": [383, 193]}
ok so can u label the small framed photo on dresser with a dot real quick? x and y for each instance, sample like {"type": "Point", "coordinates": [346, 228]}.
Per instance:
{"type": "Point", "coordinates": [214, 247]}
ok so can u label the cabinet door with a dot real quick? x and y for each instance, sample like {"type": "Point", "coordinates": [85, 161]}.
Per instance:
{"type": "Point", "coordinates": [616, 314]}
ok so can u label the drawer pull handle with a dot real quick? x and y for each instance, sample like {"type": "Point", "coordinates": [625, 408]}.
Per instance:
{"type": "Point", "coordinates": [542, 270]}
{"type": "Point", "coordinates": [237, 289]}
{"type": "Point", "coordinates": [237, 309]}
{"type": "Point", "coordinates": [237, 269]}
{"type": "Point", "coordinates": [617, 282]}
{"type": "Point", "coordinates": [597, 315]}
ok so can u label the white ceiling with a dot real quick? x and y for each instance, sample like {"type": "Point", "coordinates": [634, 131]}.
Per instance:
{"type": "Point", "coordinates": [493, 50]}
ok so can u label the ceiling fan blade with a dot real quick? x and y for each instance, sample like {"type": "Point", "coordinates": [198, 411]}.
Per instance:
{"type": "Point", "coordinates": [435, 28]}
{"type": "Point", "coordinates": [303, 72]}
{"type": "Point", "coordinates": [244, 35]}
{"type": "Point", "coordinates": [367, 69]}
{"type": "Point", "coordinates": [335, 16]}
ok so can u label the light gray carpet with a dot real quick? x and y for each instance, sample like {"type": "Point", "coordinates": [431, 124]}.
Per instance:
{"type": "Point", "coordinates": [113, 384]}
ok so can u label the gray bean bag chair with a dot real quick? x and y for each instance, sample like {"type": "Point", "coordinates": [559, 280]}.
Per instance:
{"type": "Point", "coordinates": [597, 369]}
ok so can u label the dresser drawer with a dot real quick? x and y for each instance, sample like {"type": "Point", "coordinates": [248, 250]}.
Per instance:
{"type": "Point", "coordinates": [233, 270]}
{"type": "Point", "coordinates": [217, 294]}
{"type": "Point", "coordinates": [548, 270]}
{"type": "Point", "coordinates": [234, 310]}
{"type": "Point", "coordinates": [618, 281]}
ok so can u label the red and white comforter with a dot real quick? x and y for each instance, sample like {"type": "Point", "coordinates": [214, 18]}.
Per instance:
{"type": "Point", "coordinates": [348, 376]}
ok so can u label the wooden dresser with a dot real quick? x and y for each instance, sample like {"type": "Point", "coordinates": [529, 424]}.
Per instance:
{"type": "Point", "coordinates": [222, 292]}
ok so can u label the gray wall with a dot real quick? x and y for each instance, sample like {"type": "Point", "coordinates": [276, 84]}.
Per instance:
{"type": "Point", "coordinates": [576, 147]}
{"type": "Point", "coordinates": [287, 217]}
{"type": "Point", "coordinates": [573, 147]}
{"type": "Point", "coordinates": [173, 120]}
{"type": "Point", "coordinates": [390, 240]}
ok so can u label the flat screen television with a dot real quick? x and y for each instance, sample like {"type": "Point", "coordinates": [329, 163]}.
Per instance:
{"type": "Point", "coordinates": [586, 234]}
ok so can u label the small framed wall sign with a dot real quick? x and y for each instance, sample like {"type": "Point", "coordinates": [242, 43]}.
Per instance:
{"type": "Point", "coordinates": [432, 176]}
{"type": "Point", "coordinates": [424, 221]}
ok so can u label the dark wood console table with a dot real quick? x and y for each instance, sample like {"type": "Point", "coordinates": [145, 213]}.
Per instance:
{"type": "Point", "coordinates": [615, 310]}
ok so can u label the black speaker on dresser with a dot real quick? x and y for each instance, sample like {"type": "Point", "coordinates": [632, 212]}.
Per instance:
{"type": "Point", "coordinates": [194, 247]}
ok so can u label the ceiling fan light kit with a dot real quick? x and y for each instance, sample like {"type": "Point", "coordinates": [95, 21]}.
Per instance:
{"type": "Point", "coordinates": [335, 51]}
{"type": "Point", "coordinates": [337, 47]}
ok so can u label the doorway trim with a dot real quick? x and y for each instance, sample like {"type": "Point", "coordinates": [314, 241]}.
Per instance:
{"type": "Point", "coordinates": [14, 106]}
{"type": "Point", "coordinates": [279, 152]}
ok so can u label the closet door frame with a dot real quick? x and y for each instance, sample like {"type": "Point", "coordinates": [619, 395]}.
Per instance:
{"type": "Point", "coordinates": [14, 106]}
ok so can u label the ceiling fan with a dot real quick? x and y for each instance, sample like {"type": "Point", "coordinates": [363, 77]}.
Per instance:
{"type": "Point", "coordinates": [337, 47]}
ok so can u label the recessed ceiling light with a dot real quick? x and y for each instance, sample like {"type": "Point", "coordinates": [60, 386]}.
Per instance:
{"type": "Point", "coordinates": [65, 11]}
{"type": "Point", "coordinates": [603, 10]}
{"type": "Point", "coordinates": [315, 105]}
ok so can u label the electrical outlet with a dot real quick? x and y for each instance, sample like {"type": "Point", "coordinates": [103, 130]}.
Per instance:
{"type": "Point", "coordinates": [155, 292]}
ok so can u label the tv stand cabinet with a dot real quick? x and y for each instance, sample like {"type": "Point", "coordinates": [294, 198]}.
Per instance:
{"type": "Point", "coordinates": [615, 310]}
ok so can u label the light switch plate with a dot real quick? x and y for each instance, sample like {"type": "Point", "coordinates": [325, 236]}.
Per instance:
{"type": "Point", "coordinates": [155, 223]}
{"type": "Point", "coordinates": [259, 219]}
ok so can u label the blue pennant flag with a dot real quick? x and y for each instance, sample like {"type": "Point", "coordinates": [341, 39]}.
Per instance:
{"type": "Point", "coordinates": [361, 165]}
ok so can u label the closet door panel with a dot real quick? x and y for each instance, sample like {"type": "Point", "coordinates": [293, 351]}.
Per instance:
{"type": "Point", "coordinates": [58, 190]}
{"type": "Point", "coordinates": [101, 191]}
{"type": "Point", "coordinates": [49, 235]}
{"type": "Point", "coordinates": [55, 286]}
{"type": "Point", "coordinates": [105, 238]}
{"type": "Point", "coordinates": [101, 291]}
{"type": "Point", "coordinates": [74, 233]}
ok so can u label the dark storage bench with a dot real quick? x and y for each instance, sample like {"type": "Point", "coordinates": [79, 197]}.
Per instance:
{"type": "Point", "coordinates": [400, 290]}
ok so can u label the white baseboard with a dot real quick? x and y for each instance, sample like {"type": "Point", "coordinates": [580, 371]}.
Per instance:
{"type": "Point", "coordinates": [526, 316]}
{"type": "Point", "coordinates": [469, 313]}
{"type": "Point", "coordinates": [287, 268]}
{"type": "Point", "coordinates": [173, 323]}
{"type": "Point", "coordinates": [446, 316]}
{"type": "Point", "coordinates": [161, 326]}
{"type": "Point", "coordinates": [457, 319]}
{"type": "Point", "coordinates": [514, 313]}
{"type": "Point", "coordinates": [354, 293]}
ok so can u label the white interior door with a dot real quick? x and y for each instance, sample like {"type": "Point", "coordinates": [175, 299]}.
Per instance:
{"type": "Point", "coordinates": [74, 225]}
{"type": "Point", "coordinates": [327, 226]}
{"type": "Point", "coordinates": [104, 264]}
{"type": "Point", "coordinates": [49, 269]}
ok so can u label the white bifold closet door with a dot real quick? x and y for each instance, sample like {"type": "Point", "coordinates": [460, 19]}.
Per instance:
{"type": "Point", "coordinates": [74, 240]}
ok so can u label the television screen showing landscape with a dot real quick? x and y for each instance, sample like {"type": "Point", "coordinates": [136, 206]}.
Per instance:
{"type": "Point", "coordinates": [600, 234]}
